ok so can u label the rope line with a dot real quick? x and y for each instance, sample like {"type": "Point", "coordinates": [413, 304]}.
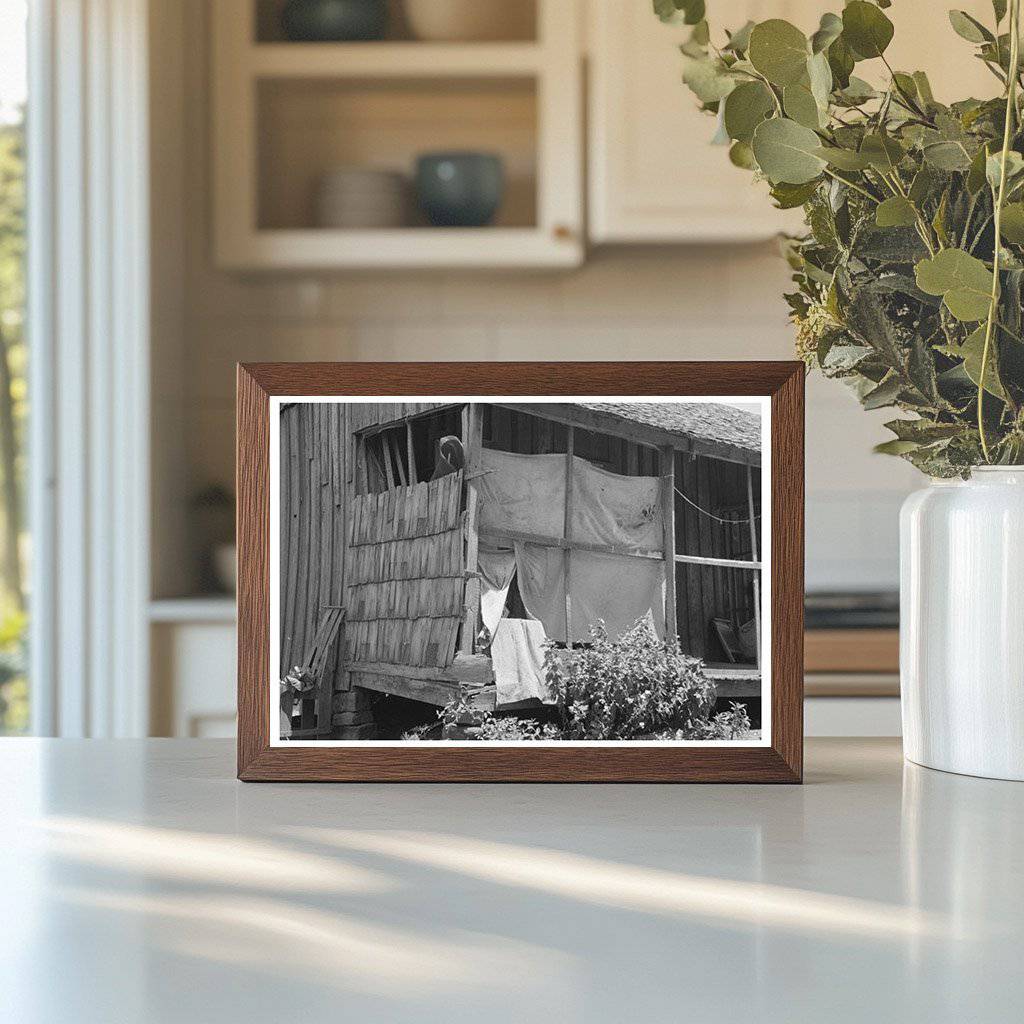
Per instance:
{"type": "Point", "coordinates": [711, 515]}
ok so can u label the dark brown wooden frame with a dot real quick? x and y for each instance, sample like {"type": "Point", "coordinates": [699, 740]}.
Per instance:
{"type": "Point", "coordinates": [780, 762]}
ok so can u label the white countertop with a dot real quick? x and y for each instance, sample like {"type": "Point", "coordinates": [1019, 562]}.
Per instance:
{"type": "Point", "coordinates": [140, 882]}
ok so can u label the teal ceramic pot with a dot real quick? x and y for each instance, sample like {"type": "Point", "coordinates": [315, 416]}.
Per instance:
{"type": "Point", "coordinates": [460, 189]}
{"type": "Point", "coordinates": [334, 21]}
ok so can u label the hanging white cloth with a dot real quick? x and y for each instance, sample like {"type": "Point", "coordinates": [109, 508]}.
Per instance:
{"type": "Point", "coordinates": [517, 653]}
{"type": "Point", "coordinates": [497, 566]}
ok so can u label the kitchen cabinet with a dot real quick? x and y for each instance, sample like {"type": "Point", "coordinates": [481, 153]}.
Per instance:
{"type": "Point", "coordinates": [287, 114]}
{"type": "Point", "coordinates": [654, 177]}
{"type": "Point", "coordinates": [192, 648]}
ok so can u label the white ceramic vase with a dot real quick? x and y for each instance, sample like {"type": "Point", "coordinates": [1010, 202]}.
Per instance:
{"type": "Point", "coordinates": [962, 624]}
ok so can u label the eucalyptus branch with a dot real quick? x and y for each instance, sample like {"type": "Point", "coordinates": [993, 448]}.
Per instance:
{"type": "Point", "coordinates": [977, 237]}
{"type": "Point", "coordinates": [770, 88]}
{"type": "Point", "coordinates": [852, 184]}
{"type": "Point", "coordinates": [1011, 109]}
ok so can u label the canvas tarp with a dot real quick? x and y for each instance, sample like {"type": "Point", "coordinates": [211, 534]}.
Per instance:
{"type": "Point", "coordinates": [526, 494]}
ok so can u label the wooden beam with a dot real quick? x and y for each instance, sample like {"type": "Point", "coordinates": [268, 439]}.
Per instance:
{"type": "Point", "coordinates": [396, 454]}
{"type": "Point", "coordinates": [668, 516]}
{"type": "Point", "coordinates": [389, 472]}
{"type": "Point", "coordinates": [754, 555]}
{"type": "Point", "coordinates": [410, 450]}
{"type": "Point", "coordinates": [362, 470]}
{"type": "Point", "coordinates": [472, 440]}
{"type": "Point", "coordinates": [570, 445]}
{"type": "Point", "coordinates": [496, 533]}
{"type": "Point", "coordinates": [727, 563]}
{"type": "Point", "coordinates": [467, 668]}
{"type": "Point", "coordinates": [427, 691]}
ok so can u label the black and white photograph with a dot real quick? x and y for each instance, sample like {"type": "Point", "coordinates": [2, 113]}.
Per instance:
{"type": "Point", "coordinates": [512, 571]}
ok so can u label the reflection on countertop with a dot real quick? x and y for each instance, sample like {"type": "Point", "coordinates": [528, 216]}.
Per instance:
{"type": "Point", "coordinates": [165, 890]}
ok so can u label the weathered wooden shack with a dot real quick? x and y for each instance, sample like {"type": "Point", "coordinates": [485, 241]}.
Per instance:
{"type": "Point", "coordinates": [374, 518]}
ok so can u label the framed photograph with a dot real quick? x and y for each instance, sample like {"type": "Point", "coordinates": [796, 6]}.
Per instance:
{"type": "Point", "coordinates": [564, 572]}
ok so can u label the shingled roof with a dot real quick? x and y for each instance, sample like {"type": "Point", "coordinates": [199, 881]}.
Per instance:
{"type": "Point", "coordinates": [703, 421]}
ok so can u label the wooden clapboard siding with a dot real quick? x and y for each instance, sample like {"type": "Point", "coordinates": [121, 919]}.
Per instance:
{"type": "Point", "coordinates": [406, 579]}
{"type": "Point", "coordinates": [313, 482]}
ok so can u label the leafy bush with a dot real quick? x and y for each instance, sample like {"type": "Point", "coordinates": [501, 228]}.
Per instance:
{"type": "Point", "coordinates": [902, 291]}
{"type": "Point", "coordinates": [627, 688]}
{"type": "Point", "coordinates": [634, 688]}
{"type": "Point", "coordinates": [733, 724]}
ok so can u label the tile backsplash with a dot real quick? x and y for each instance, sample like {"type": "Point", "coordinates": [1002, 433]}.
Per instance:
{"type": "Point", "coordinates": [719, 302]}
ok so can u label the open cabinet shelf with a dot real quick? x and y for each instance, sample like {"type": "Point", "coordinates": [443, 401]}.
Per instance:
{"type": "Point", "coordinates": [393, 60]}
{"type": "Point", "coordinates": [287, 114]}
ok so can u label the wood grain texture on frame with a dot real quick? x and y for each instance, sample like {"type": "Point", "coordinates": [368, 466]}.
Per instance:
{"type": "Point", "coordinates": [780, 762]}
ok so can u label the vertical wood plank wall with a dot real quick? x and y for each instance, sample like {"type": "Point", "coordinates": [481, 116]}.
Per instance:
{"type": "Point", "coordinates": [313, 485]}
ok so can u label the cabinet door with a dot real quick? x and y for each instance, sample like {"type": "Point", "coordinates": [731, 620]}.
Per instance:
{"type": "Point", "coordinates": [654, 177]}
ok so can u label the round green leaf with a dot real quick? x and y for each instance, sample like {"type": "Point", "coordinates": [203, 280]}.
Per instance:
{"type": "Point", "coordinates": [788, 197]}
{"type": "Point", "coordinates": [857, 91]}
{"type": "Point", "coordinates": [963, 281]}
{"type": "Point", "coordinates": [787, 152]}
{"type": "Point", "coordinates": [840, 62]}
{"type": "Point", "coordinates": [895, 212]}
{"type": "Point", "coordinates": [883, 152]}
{"type": "Point", "coordinates": [740, 39]}
{"type": "Point", "coordinates": [741, 155]}
{"type": "Point", "coordinates": [801, 106]}
{"type": "Point", "coordinates": [972, 351]}
{"type": "Point", "coordinates": [690, 12]}
{"type": "Point", "coordinates": [745, 108]}
{"type": "Point", "coordinates": [779, 51]}
{"type": "Point", "coordinates": [707, 79]}
{"type": "Point", "coordinates": [844, 159]}
{"type": "Point", "coordinates": [866, 29]}
{"type": "Point", "coordinates": [1012, 224]}
{"type": "Point", "coordinates": [947, 156]}
{"type": "Point", "coordinates": [829, 30]}
{"type": "Point", "coordinates": [819, 74]}
{"type": "Point", "coordinates": [968, 28]}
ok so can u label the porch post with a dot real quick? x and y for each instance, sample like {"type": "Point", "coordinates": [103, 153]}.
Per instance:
{"type": "Point", "coordinates": [567, 532]}
{"type": "Point", "coordinates": [754, 558]}
{"type": "Point", "coordinates": [668, 518]}
{"type": "Point", "coordinates": [472, 438]}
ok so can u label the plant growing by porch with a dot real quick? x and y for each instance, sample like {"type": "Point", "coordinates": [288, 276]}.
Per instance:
{"type": "Point", "coordinates": [910, 278]}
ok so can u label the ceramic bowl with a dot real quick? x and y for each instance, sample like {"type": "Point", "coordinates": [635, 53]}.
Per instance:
{"type": "Point", "coordinates": [470, 20]}
{"type": "Point", "coordinates": [359, 197]}
{"type": "Point", "coordinates": [332, 21]}
{"type": "Point", "coordinates": [460, 189]}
